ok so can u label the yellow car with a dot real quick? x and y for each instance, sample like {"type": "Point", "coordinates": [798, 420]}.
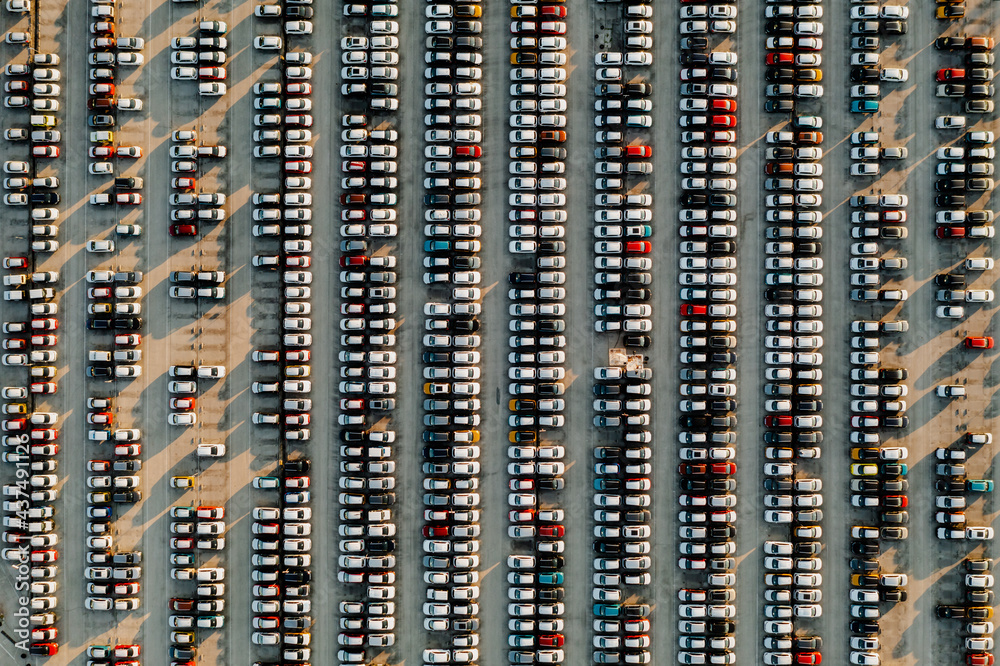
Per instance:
{"type": "Point", "coordinates": [860, 469]}
{"type": "Point", "coordinates": [182, 482]}
{"type": "Point", "coordinates": [950, 12]}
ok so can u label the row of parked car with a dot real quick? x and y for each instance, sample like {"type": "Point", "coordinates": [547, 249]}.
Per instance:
{"type": "Point", "coordinates": [29, 436]}
{"type": "Point", "coordinates": [708, 104]}
{"type": "Point", "coordinates": [974, 611]}
{"type": "Point", "coordinates": [367, 531]}
{"type": "Point", "coordinates": [537, 216]}
{"type": "Point", "coordinates": [451, 468]}
{"type": "Point", "coordinates": [793, 294]}
{"type": "Point", "coordinates": [622, 390]}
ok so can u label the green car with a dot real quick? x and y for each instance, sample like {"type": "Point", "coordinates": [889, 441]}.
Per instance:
{"type": "Point", "coordinates": [437, 246]}
{"type": "Point", "coordinates": [979, 485]}
{"type": "Point", "coordinates": [864, 106]}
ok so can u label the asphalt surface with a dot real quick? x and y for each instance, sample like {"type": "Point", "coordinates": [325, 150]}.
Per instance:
{"type": "Point", "coordinates": [184, 332]}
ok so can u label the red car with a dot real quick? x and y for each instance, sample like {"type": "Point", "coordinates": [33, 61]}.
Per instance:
{"type": "Point", "coordinates": [354, 166]}
{"type": "Point", "coordinates": [690, 469]}
{"type": "Point", "coordinates": [979, 659]}
{"type": "Point", "coordinates": [724, 121]}
{"type": "Point", "coordinates": [554, 10]}
{"type": "Point", "coordinates": [469, 151]}
{"type": "Point", "coordinates": [779, 58]}
{"type": "Point", "coordinates": [128, 450]}
{"type": "Point", "coordinates": [979, 342]}
{"type": "Point", "coordinates": [551, 640]}
{"type": "Point", "coordinates": [950, 74]}
{"type": "Point", "coordinates": [724, 105]}
{"type": "Point", "coordinates": [182, 403]}
{"type": "Point", "coordinates": [45, 151]}
{"type": "Point", "coordinates": [433, 531]}
{"type": "Point", "coordinates": [347, 199]}
{"type": "Point", "coordinates": [183, 230]}
{"type": "Point", "coordinates": [557, 136]}
{"type": "Point", "coordinates": [552, 531]}
{"type": "Point", "coordinates": [15, 262]}
{"type": "Point", "coordinates": [353, 260]}
{"type": "Point", "coordinates": [688, 310]}
{"type": "Point", "coordinates": [212, 73]}
{"type": "Point", "coordinates": [638, 151]}
{"type": "Point", "coordinates": [638, 247]}
{"type": "Point", "coordinates": [950, 231]}
{"type": "Point", "coordinates": [806, 658]}
{"type": "Point", "coordinates": [778, 420]}
{"type": "Point", "coordinates": [722, 468]}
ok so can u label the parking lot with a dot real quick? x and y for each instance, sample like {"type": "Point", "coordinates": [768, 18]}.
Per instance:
{"type": "Point", "coordinates": [251, 316]}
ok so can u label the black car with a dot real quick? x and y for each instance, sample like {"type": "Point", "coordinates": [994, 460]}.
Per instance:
{"type": "Point", "coordinates": [864, 74]}
{"type": "Point", "coordinates": [381, 545]}
{"type": "Point", "coordinates": [809, 405]}
{"type": "Point", "coordinates": [777, 485]}
{"type": "Point", "coordinates": [522, 278]}
{"type": "Point", "coordinates": [977, 565]}
{"type": "Point", "coordinates": [44, 198]}
{"type": "Point", "coordinates": [949, 280]}
{"type": "Point", "coordinates": [553, 153]}
{"type": "Point", "coordinates": [781, 74]}
{"type": "Point", "coordinates": [700, 43]}
{"type": "Point", "coordinates": [437, 199]}
{"type": "Point", "coordinates": [127, 557]}
{"type": "Point", "coordinates": [433, 452]}
{"type": "Point", "coordinates": [950, 185]}
{"type": "Point", "coordinates": [892, 374]}
{"type": "Point", "coordinates": [809, 436]}
{"type": "Point", "coordinates": [297, 11]}
{"type": "Point", "coordinates": [779, 106]}
{"type": "Point", "coordinates": [607, 389]}
{"type": "Point", "coordinates": [862, 565]}
{"type": "Point", "coordinates": [950, 612]}
{"type": "Point", "coordinates": [126, 497]}
{"type": "Point", "coordinates": [638, 294]}
{"type": "Point", "coordinates": [469, 42]}
{"type": "Point", "coordinates": [893, 596]}
{"type": "Point", "coordinates": [949, 43]}
{"type": "Point", "coordinates": [609, 453]}
{"type": "Point", "coordinates": [948, 486]}
{"type": "Point", "coordinates": [808, 642]}
{"type": "Point", "coordinates": [719, 628]}
{"type": "Point", "coordinates": [778, 27]}
{"type": "Point", "coordinates": [384, 499]}
{"type": "Point", "coordinates": [298, 466]}
{"type": "Point", "coordinates": [865, 548]}
{"type": "Point", "coordinates": [100, 120]}
{"type": "Point", "coordinates": [551, 562]}
{"type": "Point", "coordinates": [551, 247]}
{"type": "Point", "coordinates": [639, 341]}
{"type": "Point", "coordinates": [432, 358]}
{"type": "Point", "coordinates": [465, 625]}
{"type": "Point", "coordinates": [352, 436]}
{"type": "Point", "coordinates": [640, 89]}
{"type": "Point", "coordinates": [637, 517]}
{"type": "Point", "coordinates": [128, 277]}
{"type": "Point", "coordinates": [897, 27]}
{"type": "Point", "coordinates": [100, 371]}
{"type": "Point", "coordinates": [127, 323]}
{"type": "Point", "coordinates": [550, 483]}
{"type": "Point", "coordinates": [950, 200]}
{"type": "Point", "coordinates": [384, 89]}
{"type": "Point", "coordinates": [98, 324]}
{"type": "Point", "coordinates": [694, 59]}
{"type": "Point", "coordinates": [862, 627]}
